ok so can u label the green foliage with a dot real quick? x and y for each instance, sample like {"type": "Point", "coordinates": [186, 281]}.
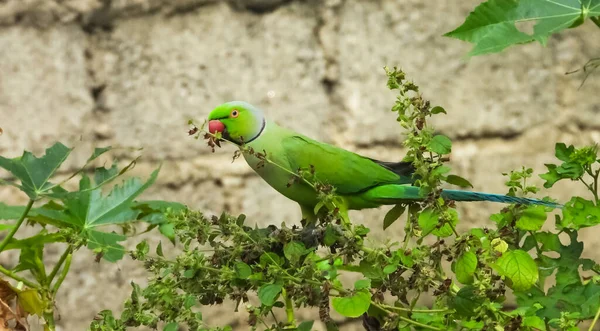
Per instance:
{"type": "Point", "coordinates": [495, 25]}
{"type": "Point", "coordinates": [290, 268]}
{"type": "Point", "coordinates": [76, 218]}
{"type": "Point", "coordinates": [263, 270]}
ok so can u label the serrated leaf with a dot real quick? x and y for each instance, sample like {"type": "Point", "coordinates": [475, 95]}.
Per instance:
{"type": "Point", "coordinates": [428, 220]}
{"type": "Point", "coordinates": [532, 218]}
{"type": "Point", "coordinates": [294, 250]}
{"type": "Point", "coordinates": [393, 215]}
{"type": "Point", "coordinates": [35, 173]}
{"type": "Point", "coordinates": [114, 208]}
{"type": "Point", "coordinates": [466, 300]}
{"type": "Point", "coordinates": [242, 270]}
{"type": "Point", "coordinates": [440, 144]}
{"type": "Point", "coordinates": [491, 27]}
{"type": "Point", "coordinates": [352, 306]}
{"type": "Point", "coordinates": [270, 258]}
{"type": "Point", "coordinates": [458, 181]}
{"type": "Point", "coordinates": [268, 294]}
{"type": "Point", "coordinates": [173, 326]}
{"type": "Point", "coordinates": [519, 267]}
{"type": "Point", "coordinates": [104, 175]}
{"type": "Point", "coordinates": [107, 244]}
{"type": "Point", "coordinates": [465, 266]}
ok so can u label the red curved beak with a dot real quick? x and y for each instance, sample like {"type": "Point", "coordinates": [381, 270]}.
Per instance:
{"type": "Point", "coordinates": [215, 126]}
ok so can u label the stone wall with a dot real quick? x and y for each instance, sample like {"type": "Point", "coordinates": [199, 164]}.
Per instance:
{"type": "Point", "coordinates": [132, 72]}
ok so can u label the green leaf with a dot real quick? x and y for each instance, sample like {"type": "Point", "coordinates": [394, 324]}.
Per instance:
{"type": "Point", "coordinates": [305, 326]}
{"type": "Point", "coordinates": [579, 213]}
{"type": "Point", "coordinates": [438, 110]}
{"type": "Point", "coordinates": [551, 177]}
{"type": "Point", "coordinates": [362, 284]}
{"type": "Point", "coordinates": [466, 301]}
{"type": "Point", "coordinates": [354, 305]}
{"type": "Point", "coordinates": [532, 218]}
{"type": "Point", "coordinates": [294, 250]}
{"type": "Point", "coordinates": [104, 175]}
{"type": "Point", "coordinates": [458, 181]}
{"type": "Point", "coordinates": [10, 212]}
{"type": "Point", "coordinates": [428, 221]}
{"type": "Point", "coordinates": [34, 173]}
{"type": "Point", "coordinates": [432, 223]}
{"type": "Point", "coordinates": [114, 208]}
{"type": "Point", "coordinates": [534, 322]}
{"type": "Point", "coordinates": [106, 244]}
{"type": "Point", "coordinates": [270, 258]}
{"type": "Point", "coordinates": [393, 215]}
{"type": "Point", "coordinates": [563, 152]}
{"type": "Point", "coordinates": [159, 250]}
{"type": "Point", "coordinates": [97, 152]}
{"type": "Point", "coordinates": [491, 27]}
{"type": "Point", "coordinates": [168, 230]}
{"type": "Point", "coordinates": [242, 270]}
{"type": "Point", "coordinates": [465, 266]}
{"type": "Point", "coordinates": [440, 144]}
{"type": "Point", "coordinates": [519, 267]}
{"type": "Point", "coordinates": [472, 325]}
{"type": "Point", "coordinates": [268, 293]}
{"type": "Point", "coordinates": [31, 301]}
{"type": "Point", "coordinates": [171, 327]}
{"type": "Point", "coordinates": [390, 269]}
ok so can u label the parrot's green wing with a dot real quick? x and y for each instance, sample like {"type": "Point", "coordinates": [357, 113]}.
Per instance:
{"type": "Point", "coordinates": [348, 172]}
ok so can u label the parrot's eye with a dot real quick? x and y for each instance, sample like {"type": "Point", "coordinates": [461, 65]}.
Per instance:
{"type": "Point", "coordinates": [235, 113]}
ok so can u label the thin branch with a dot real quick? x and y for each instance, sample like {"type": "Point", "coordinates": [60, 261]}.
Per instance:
{"type": "Point", "coordinates": [16, 228]}
{"type": "Point", "coordinates": [18, 278]}
{"type": "Point", "coordinates": [63, 274]}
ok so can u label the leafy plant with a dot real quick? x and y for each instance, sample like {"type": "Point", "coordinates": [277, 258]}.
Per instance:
{"type": "Point", "coordinates": [74, 219]}
{"type": "Point", "coordinates": [495, 25]}
{"type": "Point", "coordinates": [280, 269]}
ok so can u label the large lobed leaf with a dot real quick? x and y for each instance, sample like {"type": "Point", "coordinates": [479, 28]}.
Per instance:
{"type": "Point", "coordinates": [33, 172]}
{"type": "Point", "coordinates": [492, 26]}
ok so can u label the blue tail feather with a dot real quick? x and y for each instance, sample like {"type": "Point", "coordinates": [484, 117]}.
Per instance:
{"type": "Point", "coordinates": [458, 195]}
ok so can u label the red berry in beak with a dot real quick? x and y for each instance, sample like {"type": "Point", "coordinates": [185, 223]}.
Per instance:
{"type": "Point", "coordinates": [215, 126]}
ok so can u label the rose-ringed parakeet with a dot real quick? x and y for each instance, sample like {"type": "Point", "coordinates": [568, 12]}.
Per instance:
{"type": "Point", "coordinates": [359, 181]}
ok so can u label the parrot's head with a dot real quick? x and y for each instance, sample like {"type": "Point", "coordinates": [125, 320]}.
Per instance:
{"type": "Point", "coordinates": [238, 121]}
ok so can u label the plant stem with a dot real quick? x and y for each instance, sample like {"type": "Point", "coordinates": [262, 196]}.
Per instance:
{"type": "Point", "coordinates": [58, 265]}
{"type": "Point", "coordinates": [18, 278]}
{"type": "Point", "coordinates": [595, 320]}
{"type": "Point", "coordinates": [406, 319]}
{"type": "Point", "coordinates": [427, 311]}
{"type": "Point", "coordinates": [49, 318]}
{"type": "Point", "coordinates": [14, 230]}
{"type": "Point", "coordinates": [289, 309]}
{"type": "Point", "coordinates": [63, 274]}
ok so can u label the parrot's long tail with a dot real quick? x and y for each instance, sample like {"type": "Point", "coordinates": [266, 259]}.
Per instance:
{"type": "Point", "coordinates": [393, 194]}
{"type": "Point", "coordinates": [478, 196]}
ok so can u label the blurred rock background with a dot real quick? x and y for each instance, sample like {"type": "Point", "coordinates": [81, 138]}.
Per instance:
{"type": "Point", "coordinates": [132, 72]}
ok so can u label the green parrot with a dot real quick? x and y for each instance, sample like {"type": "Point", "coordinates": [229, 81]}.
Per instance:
{"type": "Point", "coordinates": [359, 181]}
